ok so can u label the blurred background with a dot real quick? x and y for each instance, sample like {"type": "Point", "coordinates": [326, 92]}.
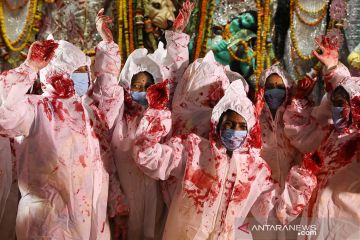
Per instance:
{"type": "Point", "coordinates": [248, 35]}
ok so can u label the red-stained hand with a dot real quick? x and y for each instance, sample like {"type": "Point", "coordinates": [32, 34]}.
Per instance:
{"type": "Point", "coordinates": [329, 55]}
{"type": "Point", "coordinates": [158, 95]}
{"type": "Point", "coordinates": [259, 101]}
{"type": "Point", "coordinates": [41, 53]}
{"type": "Point", "coordinates": [102, 26]}
{"type": "Point", "coordinates": [305, 87]}
{"type": "Point", "coordinates": [183, 18]}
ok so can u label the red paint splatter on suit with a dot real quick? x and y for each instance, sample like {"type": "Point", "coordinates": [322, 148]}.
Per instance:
{"type": "Point", "coordinates": [43, 51]}
{"type": "Point", "coordinates": [82, 160]}
{"type": "Point", "coordinates": [240, 192]}
{"type": "Point", "coordinates": [158, 95]}
{"type": "Point", "coordinates": [156, 127]}
{"type": "Point", "coordinates": [62, 84]}
{"type": "Point", "coordinates": [313, 162]}
{"type": "Point", "coordinates": [198, 187]}
{"type": "Point", "coordinates": [215, 93]}
{"type": "Point", "coordinates": [132, 108]}
{"type": "Point", "coordinates": [46, 106]}
{"type": "Point", "coordinates": [254, 138]}
{"type": "Point", "coordinates": [200, 178]}
{"type": "Point", "coordinates": [79, 108]}
{"type": "Point", "coordinates": [252, 178]}
{"type": "Point", "coordinates": [59, 110]}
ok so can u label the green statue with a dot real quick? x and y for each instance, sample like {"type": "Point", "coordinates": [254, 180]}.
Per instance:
{"type": "Point", "coordinates": [235, 45]}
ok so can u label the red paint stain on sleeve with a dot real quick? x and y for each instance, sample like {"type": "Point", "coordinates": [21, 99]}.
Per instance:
{"type": "Point", "coordinates": [47, 109]}
{"type": "Point", "coordinates": [82, 160]}
{"type": "Point", "coordinates": [158, 95]}
{"type": "Point", "coordinates": [215, 93]}
{"type": "Point", "coordinates": [43, 51]}
{"type": "Point", "coordinates": [201, 179]}
{"type": "Point", "coordinates": [201, 191]}
{"type": "Point", "coordinates": [240, 192]}
{"type": "Point", "coordinates": [313, 162]}
{"type": "Point", "coordinates": [79, 108]}
{"type": "Point", "coordinates": [62, 84]}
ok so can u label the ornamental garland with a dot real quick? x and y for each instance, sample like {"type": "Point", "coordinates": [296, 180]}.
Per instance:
{"type": "Point", "coordinates": [126, 28]}
{"type": "Point", "coordinates": [26, 33]}
{"type": "Point", "coordinates": [201, 28]}
{"type": "Point", "coordinates": [139, 24]}
{"type": "Point", "coordinates": [313, 12]}
{"type": "Point", "coordinates": [209, 21]}
{"type": "Point", "coordinates": [120, 27]}
{"type": "Point", "coordinates": [246, 51]}
{"type": "Point", "coordinates": [131, 26]}
{"type": "Point", "coordinates": [292, 29]}
{"type": "Point", "coordinates": [311, 24]}
{"type": "Point", "coordinates": [264, 18]}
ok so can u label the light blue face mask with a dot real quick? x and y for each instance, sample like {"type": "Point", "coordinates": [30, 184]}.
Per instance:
{"type": "Point", "coordinates": [274, 97]}
{"type": "Point", "coordinates": [233, 139]}
{"type": "Point", "coordinates": [140, 97]}
{"type": "Point", "coordinates": [340, 122]}
{"type": "Point", "coordinates": [81, 83]}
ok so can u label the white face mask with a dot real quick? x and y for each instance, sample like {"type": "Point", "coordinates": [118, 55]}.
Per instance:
{"type": "Point", "coordinates": [81, 82]}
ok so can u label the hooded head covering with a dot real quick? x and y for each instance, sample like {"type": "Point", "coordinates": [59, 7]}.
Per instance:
{"type": "Point", "coordinates": [56, 75]}
{"type": "Point", "coordinates": [202, 86]}
{"type": "Point", "coordinates": [277, 69]}
{"type": "Point", "coordinates": [235, 99]}
{"type": "Point", "coordinates": [140, 61]}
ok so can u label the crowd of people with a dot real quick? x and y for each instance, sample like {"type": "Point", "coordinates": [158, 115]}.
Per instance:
{"type": "Point", "coordinates": [164, 149]}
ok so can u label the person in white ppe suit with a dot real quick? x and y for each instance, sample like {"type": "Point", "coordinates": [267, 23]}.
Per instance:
{"type": "Point", "coordinates": [66, 167]}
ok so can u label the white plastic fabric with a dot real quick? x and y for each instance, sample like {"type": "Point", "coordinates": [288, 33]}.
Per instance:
{"type": "Point", "coordinates": [147, 209]}
{"type": "Point", "coordinates": [200, 89]}
{"type": "Point", "coordinates": [66, 162]}
{"type": "Point", "coordinates": [276, 148]}
{"type": "Point", "coordinates": [334, 207]}
{"type": "Point", "coordinates": [216, 193]}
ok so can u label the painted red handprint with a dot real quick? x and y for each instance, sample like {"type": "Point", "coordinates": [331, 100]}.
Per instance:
{"type": "Point", "coordinates": [41, 53]}
{"type": "Point", "coordinates": [102, 27]}
{"type": "Point", "coordinates": [158, 95]}
{"type": "Point", "coordinates": [329, 46]}
{"type": "Point", "coordinates": [259, 101]}
{"type": "Point", "coordinates": [184, 15]}
{"type": "Point", "coordinates": [304, 87]}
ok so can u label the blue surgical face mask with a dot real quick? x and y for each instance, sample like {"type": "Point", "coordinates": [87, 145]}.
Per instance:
{"type": "Point", "coordinates": [340, 122]}
{"type": "Point", "coordinates": [140, 97]}
{"type": "Point", "coordinates": [81, 83]}
{"type": "Point", "coordinates": [233, 139]}
{"type": "Point", "coordinates": [274, 97]}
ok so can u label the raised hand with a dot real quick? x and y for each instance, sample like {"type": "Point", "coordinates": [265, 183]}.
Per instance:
{"type": "Point", "coordinates": [102, 27]}
{"type": "Point", "coordinates": [329, 55]}
{"type": "Point", "coordinates": [304, 87]}
{"type": "Point", "coordinates": [259, 101]}
{"type": "Point", "coordinates": [41, 53]}
{"type": "Point", "coordinates": [158, 95]}
{"type": "Point", "coordinates": [184, 16]}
